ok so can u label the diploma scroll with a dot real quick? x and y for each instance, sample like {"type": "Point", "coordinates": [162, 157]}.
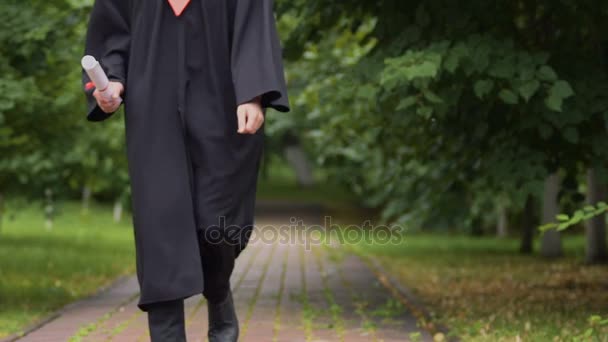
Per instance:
{"type": "Point", "coordinates": [99, 78]}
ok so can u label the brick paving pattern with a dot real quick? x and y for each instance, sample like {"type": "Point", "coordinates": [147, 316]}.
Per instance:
{"type": "Point", "coordinates": [282, 291]}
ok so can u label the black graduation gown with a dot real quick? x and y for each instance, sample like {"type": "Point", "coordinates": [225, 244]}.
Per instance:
{"type": "Point", "coordinates": [189, 168]}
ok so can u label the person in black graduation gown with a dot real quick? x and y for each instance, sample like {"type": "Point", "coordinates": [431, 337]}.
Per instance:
{"type": "Point", "coordinates": [195, 87]}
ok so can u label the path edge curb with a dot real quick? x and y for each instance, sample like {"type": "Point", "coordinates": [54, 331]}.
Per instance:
{"type": "Point", "coordinates": [57, 313]}
{"type": "Point", "coordinates": [405, 296]}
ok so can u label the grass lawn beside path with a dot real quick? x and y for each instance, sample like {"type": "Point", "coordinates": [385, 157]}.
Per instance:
{"type": "Point", "coordinates": [483, 290]}
{"type": "Point", "coordinates": [42, 270]}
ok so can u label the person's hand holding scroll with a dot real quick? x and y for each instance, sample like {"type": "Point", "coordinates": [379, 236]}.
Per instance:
{"type": "Point", "coordinates": [110, 105]}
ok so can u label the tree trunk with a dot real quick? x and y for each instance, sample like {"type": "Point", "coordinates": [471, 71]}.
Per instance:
{"type": "Point", "coordinates": [477, 227]}
{"type": "Point", "coordinates": [551, 244]}
{"type": "Point", "coordinates": [1, 210]}
{"type": "Point", "coordinates": [86, 198]}
{"type": "Point", "coordinates": [296, 157]}
{"type": "Point", "coordinates": [49, 209]}
{"type": "Point", "coordinates": [117, 211]}
{"type": "Point", "coordinates": [527, 222]}
{"type": "Point", "coordinates": [502, 226]}
{"type": "Point", "coordinates": [595, 229]}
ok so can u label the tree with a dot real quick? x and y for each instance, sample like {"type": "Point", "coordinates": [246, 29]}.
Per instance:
{"type": "Point", "coordinates": [528, 226]}
{"type": "Point", "coordinates": [551, 246]}
{"type": "Point", "coordinates": [595, 230]}
{"type": "Point", "coordinates": [45, 141]}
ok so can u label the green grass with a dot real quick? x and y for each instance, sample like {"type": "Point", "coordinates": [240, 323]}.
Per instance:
{"type": "Point", "coordinates": [483, 290]}
{"type": "Point", "coordinates": [41, 270]}
{"type": "Point", "coordinates": [280, 184]}
{"type": "Point", "coordinates": [338, 202]}
{"type": "Point", "coordinates": [289, 190]}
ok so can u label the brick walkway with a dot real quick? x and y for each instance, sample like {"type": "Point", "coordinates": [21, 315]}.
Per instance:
{"type": "Point", "coordinates": [283, 292]}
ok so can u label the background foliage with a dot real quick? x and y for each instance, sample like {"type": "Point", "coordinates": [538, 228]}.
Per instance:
{"type": "Point", "coordinates": [44, 141]}
{"type": "Point", "coordinates": [441, 114]}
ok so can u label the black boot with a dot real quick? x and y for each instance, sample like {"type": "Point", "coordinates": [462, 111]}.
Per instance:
{"type": "Point", "coordinates": [166, 322]}
{"type": "Point", "coordinates": [223, 323]}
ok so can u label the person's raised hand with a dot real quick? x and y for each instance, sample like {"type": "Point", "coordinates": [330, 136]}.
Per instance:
{"type": "Point", "coordinates": [110, 106]}
{"type": "Point", "coordinates": [250, 116]}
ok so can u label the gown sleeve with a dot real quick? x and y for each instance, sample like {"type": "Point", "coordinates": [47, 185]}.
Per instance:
{"type": "Point", "coordinates": [256, 58]}
{"type": "Point", "coordinates": [107, 40]}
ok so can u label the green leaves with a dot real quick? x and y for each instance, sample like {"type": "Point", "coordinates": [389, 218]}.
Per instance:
{"type": "Point", "coordinates": [503, 69]}
{"type": "Point", "coordinates": [566, 221]}
{"type": "Point", "coordinates": [425, 111]}
{"type": "Point", "coordinates": [411, 66]}
{"type": "Point", "coordinates": [368, 92]}
{"type": "Point", "coordinates": [407, 102]}
{"type": "Point", "coordinates": [529, 89]}
{"type": "Point", "coordinates": [45, 142]}
{"type": "Point", "coordinates": [466, 103]}
{"type": "Point", "coordinates": [432, 97]}
{"type": "Point", "coordinates": [554, 103]}
{"type": "Point", "coordinates": [546, 73]}
{"type": "Point", "coordinates": [571, 135]}
{"type": "Point", "coordinates": [483, 88]}
{"type": "Point", "coordinates": [560, 91]}
{"type": "Point", "coordinates": [456, 56]}
{"type": "Point", "coordinates": [508, 97]}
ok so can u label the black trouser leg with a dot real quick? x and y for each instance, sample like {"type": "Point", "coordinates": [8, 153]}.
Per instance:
{"type": "Point", "coordinates": [218, 259]}
{"type": "Point", "coordinates": [166, 321]}
{"type": "Point", "coordinates": [218, 263]}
